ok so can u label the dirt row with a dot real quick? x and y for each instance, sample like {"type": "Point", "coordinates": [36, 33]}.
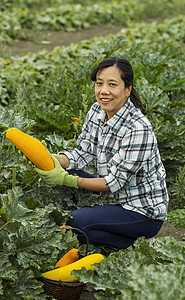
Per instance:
{"type": "Point", "coordinates": [51, 39]}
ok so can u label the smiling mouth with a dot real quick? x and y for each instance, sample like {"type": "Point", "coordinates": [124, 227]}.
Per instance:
{"type": "Point", "coordinates": [105, 100]}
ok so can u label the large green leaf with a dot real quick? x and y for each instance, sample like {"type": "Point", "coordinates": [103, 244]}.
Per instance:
{"type": "Point", "coordinates": [15, 210]}
{"type": "Point", "coordinates": [7, 271]}
{"type": "Point", "coordinates": [111, 273]}
{"type": "Point", "coordinates": [156, 282]}
{"type": "Point", "coordinates": [138, 273]}
{"type": "Point", "coordinates": [9, 118]}
{"type": "Point", "coordinates": [171, 248]}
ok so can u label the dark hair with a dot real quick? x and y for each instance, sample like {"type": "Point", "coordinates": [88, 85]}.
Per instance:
{"type": "Point", "coordinates": [127, 76]}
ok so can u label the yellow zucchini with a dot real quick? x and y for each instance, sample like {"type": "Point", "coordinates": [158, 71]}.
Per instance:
{"type": "Point", "coordinates": [32, 148]}
{"type": "Point", "coordinates": [64, 273]}
{"type": "Point", "coordinates": [68, 258]}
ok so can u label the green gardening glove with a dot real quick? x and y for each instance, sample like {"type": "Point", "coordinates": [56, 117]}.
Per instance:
{"type": "Point", "coordinates": [58, 175]}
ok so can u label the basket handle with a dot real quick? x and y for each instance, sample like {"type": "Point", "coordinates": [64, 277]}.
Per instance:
{"type": "Point", "coordinates": [87, 240]}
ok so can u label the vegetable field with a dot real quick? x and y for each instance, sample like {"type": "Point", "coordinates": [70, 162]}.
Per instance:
{"type": "Point", "coordinates": [47, 94]}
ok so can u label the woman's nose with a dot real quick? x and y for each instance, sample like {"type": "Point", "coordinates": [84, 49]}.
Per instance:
{"type": "Point", "coordinates": [104, 90]}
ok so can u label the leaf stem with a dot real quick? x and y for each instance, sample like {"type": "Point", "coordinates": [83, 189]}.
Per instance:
{"type": "Point", "coordinates": [4, 225]}
{"type": "Point", "coordinates": [13, 177]}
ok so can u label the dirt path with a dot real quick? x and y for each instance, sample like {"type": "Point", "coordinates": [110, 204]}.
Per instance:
{"type": "Point", "coordinates": [170, 230]}
{"type": "Point", "coordinates": [50, 39]}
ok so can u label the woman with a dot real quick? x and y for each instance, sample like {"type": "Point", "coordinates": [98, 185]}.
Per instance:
{"type": "Point", "coordinates": [119, 139]}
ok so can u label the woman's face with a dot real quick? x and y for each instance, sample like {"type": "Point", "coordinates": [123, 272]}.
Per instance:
{"type": "Point", "coordinates": [110, 90]}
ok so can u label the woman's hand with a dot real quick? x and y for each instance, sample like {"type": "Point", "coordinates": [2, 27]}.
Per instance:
{"type": "Point", "coordinates": [64, 160]}
{"type": "Point", "coordinates": [58, 176]}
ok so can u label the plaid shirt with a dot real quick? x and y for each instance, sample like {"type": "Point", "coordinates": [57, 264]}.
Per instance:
{"type": "Point", "coordinates": [124, 150]}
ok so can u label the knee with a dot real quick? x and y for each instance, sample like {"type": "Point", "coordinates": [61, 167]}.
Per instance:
{"type": "Point", "coordinates": [79, 230]}
{"type": "Point", "coordinates": [73, 222]}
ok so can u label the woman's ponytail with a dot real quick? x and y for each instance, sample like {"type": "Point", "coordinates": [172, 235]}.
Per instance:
{"type": "Point", "coordinates": [134, 97]}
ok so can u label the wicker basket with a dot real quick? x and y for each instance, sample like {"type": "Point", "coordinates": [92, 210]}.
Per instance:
{"type": "Point", "coordinates": [64, 290]}
{"type": "Point", "coordinates": [61, 289]}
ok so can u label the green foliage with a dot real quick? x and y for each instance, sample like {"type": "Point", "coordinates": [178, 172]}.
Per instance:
{"type": "Point", "coordinates": [145, 272]}
{"type": "Point", "coordinates": [177, 190]}
{"type": "Point", "coordinates": [177, 217]}
{"type": "Point", "coordinates": [19, 16]}
{"type": "Point", "coordinates": [28, 246]}
{"type": "Point", "coordinates": [40, 93]}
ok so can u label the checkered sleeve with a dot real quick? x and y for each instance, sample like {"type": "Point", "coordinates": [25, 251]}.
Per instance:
{"type": "Point", "coordinates": [136, 148]}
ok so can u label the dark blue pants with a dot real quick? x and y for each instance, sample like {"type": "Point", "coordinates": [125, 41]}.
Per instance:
{"type": "Point", "coordinates": [112, 225]}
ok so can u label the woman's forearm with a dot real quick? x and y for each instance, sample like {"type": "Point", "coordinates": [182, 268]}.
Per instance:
{"type": "Point", "coordinates": [93, 184]}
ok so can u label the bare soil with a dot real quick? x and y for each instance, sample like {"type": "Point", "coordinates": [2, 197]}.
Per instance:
{"type": "Point", "coordinates": [49, 40]}
{"type": "Point", "coordinates": [170, 230]}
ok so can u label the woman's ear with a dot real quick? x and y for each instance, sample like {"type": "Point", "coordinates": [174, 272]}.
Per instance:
{"type": "Point", "coordinates": [128, 90]}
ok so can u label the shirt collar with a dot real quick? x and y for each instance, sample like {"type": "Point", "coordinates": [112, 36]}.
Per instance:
{"type": "Point", "coordinates": [120, 116]}
{"type": "Point", "coordinates": [101, 115]}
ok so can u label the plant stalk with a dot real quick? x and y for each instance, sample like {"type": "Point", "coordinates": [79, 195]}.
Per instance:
{"type": "Point", "coordinates": [4, 226]}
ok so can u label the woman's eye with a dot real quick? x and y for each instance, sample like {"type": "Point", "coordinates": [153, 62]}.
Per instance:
{"type": "Point", "coordinates": [112, 84]}
{"type": "Point", "coordinates": [98, 83]}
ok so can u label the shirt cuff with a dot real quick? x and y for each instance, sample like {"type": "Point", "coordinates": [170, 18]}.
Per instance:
{"type": "Point", "coordinates": [112, 183]}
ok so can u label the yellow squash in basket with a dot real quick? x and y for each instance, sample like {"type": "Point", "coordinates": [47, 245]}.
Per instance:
{"type": "Point", "coordinates": [70, 257]}
{"type": "Point", "coordinates": [64, 273]}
